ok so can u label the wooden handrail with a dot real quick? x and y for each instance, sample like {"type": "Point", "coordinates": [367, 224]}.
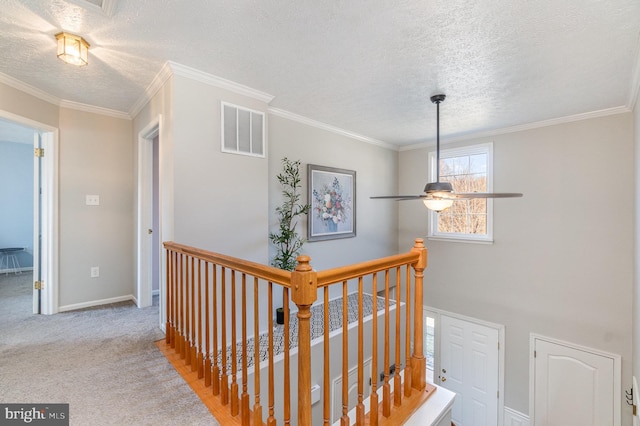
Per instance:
{"type": "Point", "coordinates": [346, 273]}
{"type": "Point", "coordinates": [212, 339]}
{"type": "Point", "coordinates": [268, 273]}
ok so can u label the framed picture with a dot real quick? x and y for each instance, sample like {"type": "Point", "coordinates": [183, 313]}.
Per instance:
{"type": "Point", "coordinates": [332, 195]}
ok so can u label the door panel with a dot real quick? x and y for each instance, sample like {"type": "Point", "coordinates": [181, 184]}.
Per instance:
{"type": "Point", "coordinates": [572, 386]}
{"type": "Point", "coordinates": [470, 367]}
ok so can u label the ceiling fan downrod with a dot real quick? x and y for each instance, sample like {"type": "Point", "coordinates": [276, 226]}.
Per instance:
{"type": "Point", "coordinates": [438, 186]}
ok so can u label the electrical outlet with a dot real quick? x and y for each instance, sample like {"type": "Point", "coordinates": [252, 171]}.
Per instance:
{"type": "Point", "coordinates": [95, 272]}
{"type": "Point", "coordinates": [92, 200]}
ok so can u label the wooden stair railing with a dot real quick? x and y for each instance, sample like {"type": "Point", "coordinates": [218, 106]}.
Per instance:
{"type": "Point", "coordinates": [202, 325]}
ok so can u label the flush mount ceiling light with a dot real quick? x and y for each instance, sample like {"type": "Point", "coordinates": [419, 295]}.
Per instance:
{"type": "Point", "coordinates": [73, 49]}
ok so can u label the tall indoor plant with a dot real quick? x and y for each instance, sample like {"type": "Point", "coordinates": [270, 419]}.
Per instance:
{"type": "Point", "coordinates": [287, 240]}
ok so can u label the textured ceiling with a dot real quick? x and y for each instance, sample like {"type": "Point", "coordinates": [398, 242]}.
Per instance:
{"type": "Point", "coordinates": [368, 67]}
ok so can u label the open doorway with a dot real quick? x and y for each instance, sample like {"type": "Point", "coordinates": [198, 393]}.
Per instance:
{"type": "Point", "coordinates": [149, 227]}
{"type": "Point", "coordinates": [30, 153]}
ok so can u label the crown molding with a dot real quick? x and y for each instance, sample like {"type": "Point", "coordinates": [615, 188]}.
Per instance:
{"type": "Point", "coordinates": [94, 109]}
{"type": "Point", "coordinates": [212, 80]}
{"type": "Point", "coordinates": [158, 81]}
{"type": "Point", "coordinates": [27, 88]}
{"type": "Point", "coordinates": [313, 123]}
{"type": "Point", "coordinates": [523, 127]}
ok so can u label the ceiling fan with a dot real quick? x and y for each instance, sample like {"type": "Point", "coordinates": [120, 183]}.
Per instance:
{"type": "Point", "coordinates": [438, 195]}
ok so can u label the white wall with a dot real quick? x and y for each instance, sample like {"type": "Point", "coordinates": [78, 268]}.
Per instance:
{"type": "Point", "coordinates": [636, 283]}
{"type": "Point", "coordinates": [562, 261]}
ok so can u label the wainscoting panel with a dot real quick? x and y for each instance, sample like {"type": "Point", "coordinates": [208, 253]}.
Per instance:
{"type": "Point", "coordinates": [514, 418]}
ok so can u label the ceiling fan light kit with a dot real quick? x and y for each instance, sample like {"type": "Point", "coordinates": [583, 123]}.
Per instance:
{"type": "Point", "coordinates": [439, 196]}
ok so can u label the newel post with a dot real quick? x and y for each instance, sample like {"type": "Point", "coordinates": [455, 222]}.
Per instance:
{"type": "Point", "coordinates": [418, 361]}
{"type": "Point", "coordinates": [304, 288]}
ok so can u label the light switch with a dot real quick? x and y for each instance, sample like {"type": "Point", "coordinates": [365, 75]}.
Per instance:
{"type": "Point", "coordinates": [93, 200]}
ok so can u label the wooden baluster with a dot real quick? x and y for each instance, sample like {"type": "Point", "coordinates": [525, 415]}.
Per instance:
{"type": "Point", "coordinates": [257, 407]}
{"type": "Point", "coordinates": [193, 346]}
{"type": "Point", "coordinates": [215, 371]}
{"type": "Point", "coordinates": [418, 361]}
{"type": "Point", "coordinates": [207, 328]}
{"type": "Point", "coordinates": [183, 329]}
{"type": "Point", "coordinates": [344, 420]}
{"type": "Point", "coordinates": [327, 361]}
{"type": "Point", "coordinates": [200, 346]}
{"type": "Point", "coordinates": [234, 355]}
{"type": "Point", "coordinates": [224, 378]}
{"type": "Point", "coordinates": [407, 369]}
{"type": "Point", "coordinates": [271, 420]}
{"type": "Point", "coordinates": [167, 326]}
{"type": "Point", "coordinates": [386, 388]}
{"type": "Point", "coordinates": [304, 284]}
{"type": "Point", "coordinates": [244, 399]}
{"type": "Point", "coordinates": [187, 311]}
{"type": "Point", "coordinates": [397, 385]}
{"type": "Point", "coordinates": [287, 363]}
{"type": "Point", "coordinates": [174, 291]}
{"type": "Point", "coordinates": [360, 406]}
{"type": "Point", "coordinates": [373, 397]}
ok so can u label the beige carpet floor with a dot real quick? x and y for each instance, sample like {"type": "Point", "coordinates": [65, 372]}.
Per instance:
{"type": "Point", "coordinates": [102, 361]}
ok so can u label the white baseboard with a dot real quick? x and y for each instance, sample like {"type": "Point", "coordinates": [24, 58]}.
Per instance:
{"type": "Point", "coordinates": [514, 418]}
{"type": "Point", "coordinates": [95, 303]}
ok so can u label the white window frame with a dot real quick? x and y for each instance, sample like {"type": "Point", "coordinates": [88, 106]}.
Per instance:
{"type": "Point", "coordinates": [484, 148]}
{"type": "Point", "coordinates": [237, 150]}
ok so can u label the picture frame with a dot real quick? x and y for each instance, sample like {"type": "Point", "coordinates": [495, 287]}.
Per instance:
{"type": "Point", "coordinates": [332, 196]}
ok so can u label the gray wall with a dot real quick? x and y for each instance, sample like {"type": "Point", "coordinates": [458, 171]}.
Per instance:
{"type": "Point", "coordinates": [376, 174]}
{"type": "Point", "coordinates": [562, 261]}
{"type": "Point", "coordinates": [95, 159]}
{"type": "Point", "coordinates": [16, 193]}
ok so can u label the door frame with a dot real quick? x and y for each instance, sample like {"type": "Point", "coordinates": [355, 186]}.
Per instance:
{"type": "Point", "coordinates": [144, 221]}
{"type": "Point", "coordinates": [47, 215]}
{"type": "Point", "coordinates": [617, 373]}
{"type": "Point", "coordinates": [501, 349]}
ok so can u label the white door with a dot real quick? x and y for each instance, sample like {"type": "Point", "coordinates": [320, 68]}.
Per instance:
{"type": "Point", "coordinates": [573, 386]}
{"type": "Point", "coordinates": [469, 366]}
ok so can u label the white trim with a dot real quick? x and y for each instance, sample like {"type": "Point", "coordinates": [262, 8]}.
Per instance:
{"type": "Point", "coordinates": [75, 306]}
{"type": "Point", "coordinates": [94, 109]}
{"type": "Point", "coordinates": [617, 373]}
{"type": "Point", "coordinates": [49, 210]}
{"type": "Point", "coordinates": [107, 8]}
{"type": "Point", "coordinates": [63, 103]}
{"type": "Point", "coordinates": [27, 88]}
{"type": "Point", "coordinates": [483, 148]}
{"type": "Point", "coordinates": [156, 84]}
{"type": "Point", "coordinates": [514, 418]}
{"type": "Point", "coordinates": [144, 212]}
{"type": "Point", "coordinates": [313, 123]}
{"type": "Point", "coordinates": [212, 80]}
{"type": "Point", "coordinates": [545, 123]}
{"type": "Point", "coordinates": [501, 350]}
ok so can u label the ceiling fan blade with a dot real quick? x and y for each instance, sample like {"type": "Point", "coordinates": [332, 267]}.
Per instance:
{"type": "Point", "coordinates": [469, 195]}
{"type": "Point", "coordinates": [399, 197]}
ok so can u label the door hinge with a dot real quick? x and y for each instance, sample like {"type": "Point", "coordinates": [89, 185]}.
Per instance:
{"type": "Point", "coordinates": [498, 345]}
{"type": "Point", "coordinates": [39, 152]}
{"type": "Point", "coordinates": [498, 394]}
{"type": "Point", "coordinates": [38, 285]}
{"type": "Point", "coordinates": [635, 410]}
{"type": "Point", "coordinates": [535, 354]}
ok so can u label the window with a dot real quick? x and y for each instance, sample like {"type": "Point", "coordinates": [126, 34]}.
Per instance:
{"type": "Point", "coordinates": [242, 130]}
{"type": "Point", "coordinates": [469, 169]}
